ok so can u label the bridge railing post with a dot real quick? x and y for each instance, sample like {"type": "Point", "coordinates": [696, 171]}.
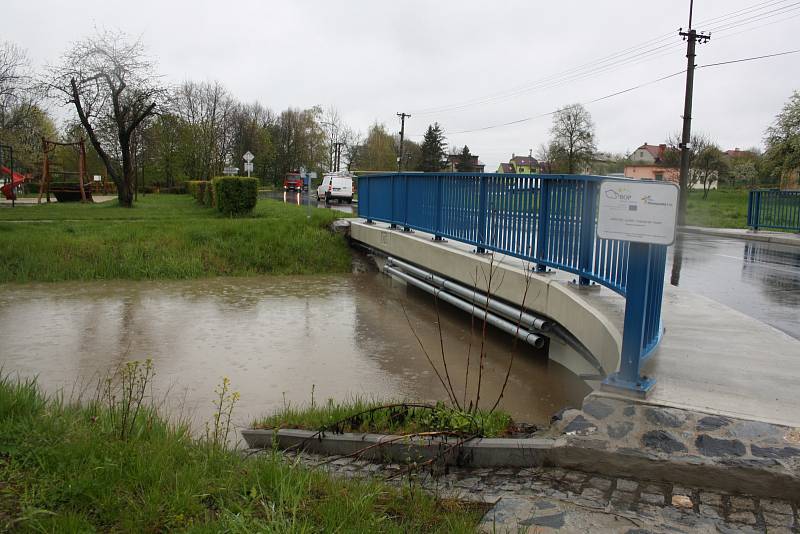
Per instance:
{"type": "Point", "coordinates": [587, 230]}
{"type": "Point", "coordinates": [756, 209]}
{"type": "Point", "coordinates": [542, 221]}
{"type": "Point", "coordinates": [483, 197]}
{"type": "Point", "coordinates": [363, 197]}
{"type": "Point", "coordinates": [629, 378]}
{"type": "Point", "coordinates": [437, 234]}
{"type": "Point", "coordinates": [392, 195]}
{"type": "Point", "coordinates": [406, 208]}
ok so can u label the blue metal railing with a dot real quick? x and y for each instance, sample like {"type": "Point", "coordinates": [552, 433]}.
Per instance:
{"type": "Point", "coordinates": [771, 208]}
{"type": "Point", "coordinates": [549, 220]}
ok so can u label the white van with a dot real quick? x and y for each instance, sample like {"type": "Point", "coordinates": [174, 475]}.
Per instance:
{"type": "Point", "coordinates": [336, 186]}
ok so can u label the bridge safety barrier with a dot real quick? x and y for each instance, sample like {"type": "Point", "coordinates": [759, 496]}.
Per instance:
{"type": "Point", "coordinates": [772, 208]}
{"type": "Point", "coordinates": [548, 220]}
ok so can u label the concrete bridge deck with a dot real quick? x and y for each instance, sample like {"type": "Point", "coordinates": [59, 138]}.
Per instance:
{"type": "Point", "coordinates": [712, 359]}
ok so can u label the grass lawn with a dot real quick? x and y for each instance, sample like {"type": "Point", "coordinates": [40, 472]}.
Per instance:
{"type": "Point", "coordinates": [724, 208]}
{"type": "Point", "coordinates": [165, 237]}
{"type": "Point", "coordinates": [358, 415]}
{"type": "Point", "coordinates": [63, 468]}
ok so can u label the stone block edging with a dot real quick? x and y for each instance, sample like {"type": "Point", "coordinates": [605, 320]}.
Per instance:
{"type": "Point", "coordinates": [591, 456]}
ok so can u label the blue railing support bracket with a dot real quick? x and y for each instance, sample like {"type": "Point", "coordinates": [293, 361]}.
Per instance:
{"type": "Point", "coordinates": [629, 377]}
{"type": "Point", "coordinates": [550, 223]}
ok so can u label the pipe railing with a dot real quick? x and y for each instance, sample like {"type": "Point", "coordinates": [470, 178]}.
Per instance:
{"type": "Point", "coordinates": [548, 220]}
{"type": "Point", "coordinates": [775, 209]}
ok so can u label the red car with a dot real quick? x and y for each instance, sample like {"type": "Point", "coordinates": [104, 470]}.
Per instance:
{"type": "Point", "coordinates": [293, 182]}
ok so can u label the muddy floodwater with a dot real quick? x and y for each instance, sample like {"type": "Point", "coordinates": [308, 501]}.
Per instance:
{"type": "Point", "coordinates": [274, 337]}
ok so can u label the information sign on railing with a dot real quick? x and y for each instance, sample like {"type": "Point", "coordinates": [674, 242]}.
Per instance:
{"type": "Point", "coordinates": [643, 212]}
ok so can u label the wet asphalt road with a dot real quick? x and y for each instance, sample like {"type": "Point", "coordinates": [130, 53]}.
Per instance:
{"type": "Point", "coordinates": [306, 199]}
{"type": "Point", "coordinates": [761, 280]}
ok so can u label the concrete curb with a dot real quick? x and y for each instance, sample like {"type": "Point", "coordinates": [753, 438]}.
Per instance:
{"type": "Point", "coordinates": [584, 455]}
{"type": "Point", "coordinates": [747, 235]}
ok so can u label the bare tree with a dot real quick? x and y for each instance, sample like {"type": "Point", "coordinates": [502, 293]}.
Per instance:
{"type": "Point", "coordinates": [14, 84]}
{"type": "Point", "coordinates": [113, 86]}
{"type": "Point", "coordinates": [207, 112]}
{"type": "Point", "coordinates": [23, 122]}
{"type": "Point", "coordinates": [572, 144]}
{"type": "Point", "coordinates": [353, 141]}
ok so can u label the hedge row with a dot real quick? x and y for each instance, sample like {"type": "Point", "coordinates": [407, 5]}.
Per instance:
{"type": "Point", "coordinates": [232, 195]}
{"type": "Point", "coordinates": [235, 195]}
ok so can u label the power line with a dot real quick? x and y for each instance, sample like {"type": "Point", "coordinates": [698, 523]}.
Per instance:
{"type": "Point", "coordinates": [742, 60]}
{"type": "Point", "coordinates": [644, 51]}
{"type": "Point", "coordinates": [755, 18]}
{"type": "Point", "coordinates": [623, 91]}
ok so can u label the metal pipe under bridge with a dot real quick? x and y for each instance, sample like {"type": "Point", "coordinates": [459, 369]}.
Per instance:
{"type": "Point", "coordinates": [547, 221]}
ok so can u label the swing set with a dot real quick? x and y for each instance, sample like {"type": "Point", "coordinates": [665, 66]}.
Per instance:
{"type": "Point", "coordinates": [64, 190]}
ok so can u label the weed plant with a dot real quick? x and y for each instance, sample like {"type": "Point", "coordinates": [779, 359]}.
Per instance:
{"type": "Point", "coordinates": [64, 468]}
{"type": "Point", "coordinates": [388, 417]}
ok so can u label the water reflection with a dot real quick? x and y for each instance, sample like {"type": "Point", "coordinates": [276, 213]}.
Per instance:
{"type": "Point", "coordinates": [677, 260]}
{"type": "Point", "coordinates": [274, 337]}
{"type": "Point", "coordinates": [308, 199]}
{"type": "Point", "coordinates": [759, 279]}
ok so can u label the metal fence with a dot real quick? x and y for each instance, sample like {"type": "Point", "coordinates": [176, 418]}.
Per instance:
{"type": "Point", "coordinates": [771, 208]}
{"type": "Point", "coordinates": [549, 220]}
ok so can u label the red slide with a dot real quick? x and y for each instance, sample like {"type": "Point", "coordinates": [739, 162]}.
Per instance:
{"type": "Point", "coordinates": [16, 179]}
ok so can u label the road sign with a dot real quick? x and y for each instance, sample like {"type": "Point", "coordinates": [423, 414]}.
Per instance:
{"type": "Point", "coordinates": [248, 167]}
{"type": "Point", "coordinates": [248, 156]}
{"type": "Point", "coordinates": [230, 171]}
{"type": "Point", "coordinates": [639, 211]}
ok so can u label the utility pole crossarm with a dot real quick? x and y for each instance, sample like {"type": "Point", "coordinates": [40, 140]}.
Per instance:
{"type": "Point", "coordinates": [692, 38]}
{"type": "Point", "coordinates": [403, 117]}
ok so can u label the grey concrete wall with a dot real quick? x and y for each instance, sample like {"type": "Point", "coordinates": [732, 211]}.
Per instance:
{"type": "Point", "coordinates": [591, 315]}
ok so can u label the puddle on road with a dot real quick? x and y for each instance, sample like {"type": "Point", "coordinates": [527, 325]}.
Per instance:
{"type": "Point", "coordinates": [274, 337]}
{"type": "Point", "coordinates": [309, 200]}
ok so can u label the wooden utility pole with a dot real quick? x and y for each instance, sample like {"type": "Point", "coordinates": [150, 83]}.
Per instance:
{"type": "Point", "coordinates": [82, 168]}
{"type": "Point", "coordinates": [44, 185]}
{"type": "Point", "coordinates": [692, 38]}
{"type": "Point", "coordinates": [403, 117]}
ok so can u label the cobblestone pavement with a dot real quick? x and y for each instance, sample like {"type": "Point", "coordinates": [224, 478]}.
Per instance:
{"type": "Point", "coordinates": [541, 500]}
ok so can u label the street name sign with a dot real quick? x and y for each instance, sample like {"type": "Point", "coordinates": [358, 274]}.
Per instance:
{"type": "Point", "coordinates": [248, 167]}
{"type": "Point", "coordinates": [230, 171]}
{"type": "Point", "coordinates": [643, 212]}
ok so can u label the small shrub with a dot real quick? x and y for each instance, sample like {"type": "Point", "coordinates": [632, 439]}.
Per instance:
{"type": "Point", "coordinates": [210, 198]}
{"type": "Point", "coordinates": [235, 195]}
{"type": "Point", "coordinates": [192, 186]}
{"type": "Point", "coordinates": [201, 192]}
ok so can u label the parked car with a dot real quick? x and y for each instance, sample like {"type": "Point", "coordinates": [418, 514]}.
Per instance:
{"type": "Point", "coordinates": [336, 186]}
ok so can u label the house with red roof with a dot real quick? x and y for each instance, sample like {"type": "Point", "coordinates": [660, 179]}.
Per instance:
{"type": "Point", "coordinates": [521, 165]}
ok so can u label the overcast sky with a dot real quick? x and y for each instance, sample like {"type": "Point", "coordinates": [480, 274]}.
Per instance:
{"type": "Point", "coordinates": [493, 61]}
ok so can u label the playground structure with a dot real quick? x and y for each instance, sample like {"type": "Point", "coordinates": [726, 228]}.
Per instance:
{"type": "Point", "coordinates": [63, 190]}
{"type": "Point", "coordinates": [7, 168]}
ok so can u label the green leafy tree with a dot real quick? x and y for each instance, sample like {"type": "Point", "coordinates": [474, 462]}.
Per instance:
{"type": "Point", "coordinates": [572, 142]}
{"type": "Point", "coordinates": [744, 170]}
{"type": "Point", "coordinates": [709, 167]}
{"type": "Point", "coordinates": [23, 122]}
{"type": "Point", "coordinates": [433, 156]}
{"type": "Point", "coordinates": [378, 152]}
{"type": "Point", "coordinates": [782, 138]}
